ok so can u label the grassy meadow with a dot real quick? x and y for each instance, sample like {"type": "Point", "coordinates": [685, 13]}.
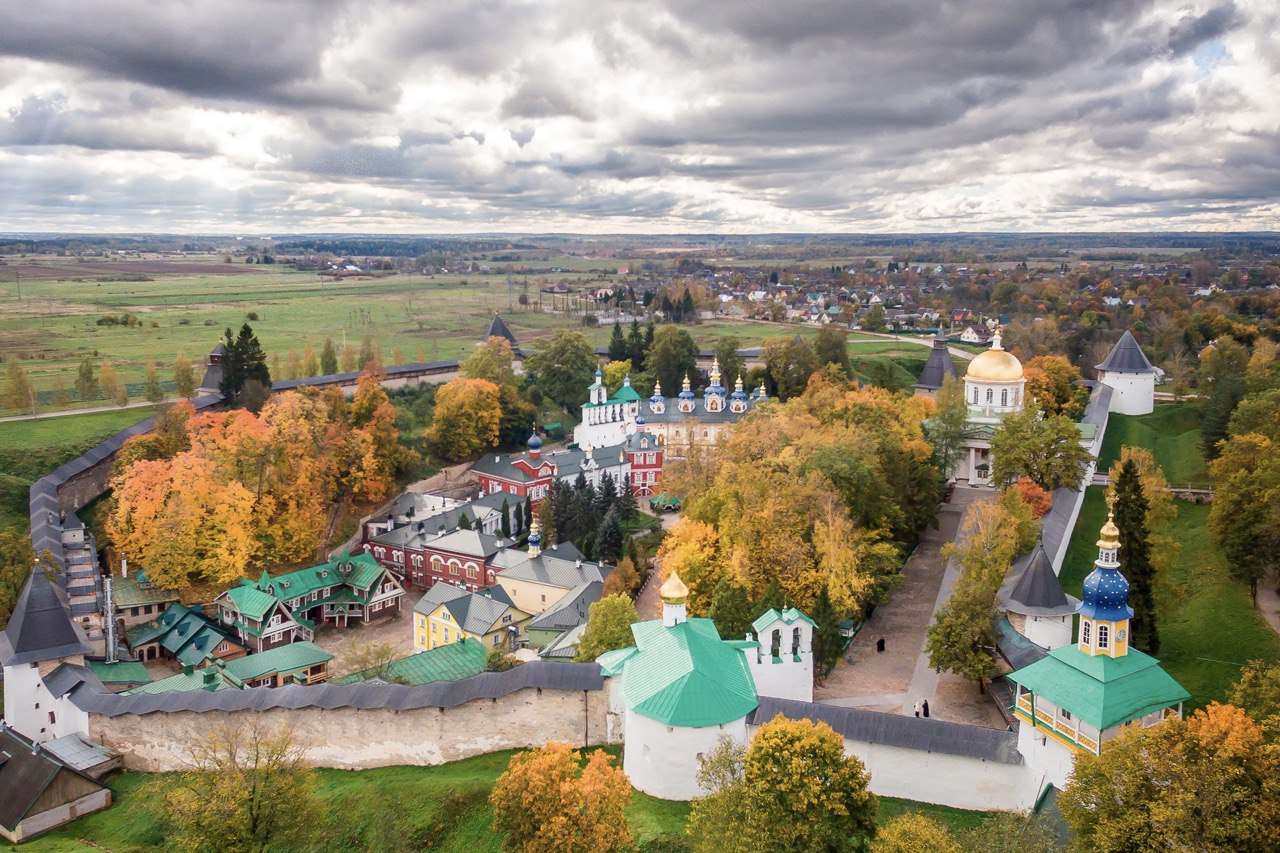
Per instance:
{"type": "Point", "coordinates": [56, 322]}
{"type": "Point", "coordinates": [441, 808]}
{"type": "Point", "coordinates": [1171, 433]}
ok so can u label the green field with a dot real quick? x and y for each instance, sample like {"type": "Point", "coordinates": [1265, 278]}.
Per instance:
{"type": "Point", "coordinates": [439, 808]}
{"type": "Point", "coordinates": [31, 449]}
{"type": "Point", "coordinates": [1208, 627]}
{"type": "Point", "coordinates": [55, 324]}
{"type": "Point", "coordinates": [1171, 432]}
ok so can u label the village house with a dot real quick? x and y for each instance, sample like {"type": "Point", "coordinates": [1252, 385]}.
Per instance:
{"type": "Point", "coordinates": [536, 580]}
{"type": "Point", "coordinates": [447, 614]}
{"type": "Point", "coordinates": [294, 663]}
{"type": "Point", "coordinates": [288, 607]}
{"type": "Point", "coordinates": [39, 791]}
{"type": "Point", "coordinates": [183, 634]}
{"type": "Point", "coordinates": [136, 600]}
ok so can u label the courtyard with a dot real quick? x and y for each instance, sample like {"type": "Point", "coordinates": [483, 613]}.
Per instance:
{"type": "Point", "coordinates": [894, 680]}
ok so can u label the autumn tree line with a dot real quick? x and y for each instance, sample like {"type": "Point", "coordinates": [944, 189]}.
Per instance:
{"type": "Point", "coordinates": [205, 497]}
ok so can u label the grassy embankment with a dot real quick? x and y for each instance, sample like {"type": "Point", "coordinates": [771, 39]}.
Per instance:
{"type": "Point", "coordinates": [442, 808]}
{"type": "Point", "coordinates": [31, 449]}
{"type": "Point", "coordinates": [1208, 627]}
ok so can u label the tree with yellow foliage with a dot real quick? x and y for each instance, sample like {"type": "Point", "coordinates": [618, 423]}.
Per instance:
{"type": "Point", "coordinates": [1204, 783]}
{"type": "Point", "coordinates": [466, 420]}
{"type": "Point", "coordinates": [547, 801]}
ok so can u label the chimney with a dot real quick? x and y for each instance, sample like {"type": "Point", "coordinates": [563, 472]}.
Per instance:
{"type": "Point", "coordinates": [124, 567]}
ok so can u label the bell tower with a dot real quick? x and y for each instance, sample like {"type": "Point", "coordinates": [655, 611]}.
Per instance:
{"type": "Point", "coordinates": [1104, 607]}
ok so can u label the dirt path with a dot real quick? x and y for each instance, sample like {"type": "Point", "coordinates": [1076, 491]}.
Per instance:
{"type": "Point", "coordinates": [1269, 605]}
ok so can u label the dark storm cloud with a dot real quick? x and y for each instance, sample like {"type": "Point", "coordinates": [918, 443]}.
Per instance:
{"type": "Point", "coordinates": [243, 51]}
{"type": "Point", "coordinates": [825, 113]}
{"type": "Point", "coordinates": [47, 121]}
{"type": "Point", "coordinates": [1193, 30]}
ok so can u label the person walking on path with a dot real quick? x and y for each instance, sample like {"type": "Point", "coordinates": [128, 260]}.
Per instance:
{"type": "Point", "coordinates": [916, 707]}
{"type": "Point", "coordinates": [925, 707]}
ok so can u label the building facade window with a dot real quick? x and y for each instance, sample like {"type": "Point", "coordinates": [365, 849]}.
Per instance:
{"type": "Point", "coordinates": [1085, 632]}
{"type": "Point", "coordinates": [1104, 638]}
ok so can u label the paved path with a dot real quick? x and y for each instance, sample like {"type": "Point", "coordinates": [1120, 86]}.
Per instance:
{"type": "Point", "coordinates": [894, 680]}
{"type": "Point", "coordinates": [879, 680]}
{"type": "Point", "coordinates": [39, 416]}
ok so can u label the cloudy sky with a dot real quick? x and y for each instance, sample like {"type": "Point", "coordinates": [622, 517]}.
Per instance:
{"type": "Point", "coordinates": [664, 115]}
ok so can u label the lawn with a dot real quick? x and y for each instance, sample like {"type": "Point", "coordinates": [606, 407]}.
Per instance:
{"type": "Point", "coordinates": [1208, 627]}
{"type": "Point", "coordinates": [1171, 432]}
{"type": "Point", "coordinates": [441, 808]}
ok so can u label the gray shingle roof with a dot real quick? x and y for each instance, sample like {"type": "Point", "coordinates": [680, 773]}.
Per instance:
{"type": "Point", "coordinates": [1126, 357]}
{"type": "Point", "coordinates": [475, 612]}
{"type": "Point", "coordinates": [25, 774]}
{"type": "Point", "coordinates": [67, 677]}
{"type": "Point", "coordinates": [363, 695]}
{"type": "Point", "coordinates": [570, 610]}
{"type": "Point", "coordinates": [1035, 590]}
{"type": "Point", "coordinates": [938, 367]}
{"type": "Point", "coordinates": [560, 566]}
{"type": "Point", "coordinates": [925, 734]}
{"type": "Point", "coordinates": [40, 627]}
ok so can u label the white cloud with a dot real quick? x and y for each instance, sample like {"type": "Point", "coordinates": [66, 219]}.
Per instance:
{"type": "Point", "coordinates": [671, 115]}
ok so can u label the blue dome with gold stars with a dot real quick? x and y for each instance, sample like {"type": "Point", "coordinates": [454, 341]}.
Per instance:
{"type": "Point", "coordinates": [1106, 592]}
{"type": "Point", "coordinates": [1106, 595]}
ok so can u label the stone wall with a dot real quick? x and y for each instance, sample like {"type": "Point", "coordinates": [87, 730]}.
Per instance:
{"type": "Point", "coordinates": [353, 739]}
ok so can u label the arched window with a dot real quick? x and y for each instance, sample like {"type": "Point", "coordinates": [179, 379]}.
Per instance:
{"type": "Point", "coordinates": [1085, 631]}
{"type": "Point", "coordinates": [990, 395]}
{"type": "Point", "coordinates": [975, 395]}
{"type": "Point", "coordinates": [775, 645]}
{"type": "Point", "coordinates": [795, 642]}
{"type": "Point", "coordinates": [1104, 640]}
{"type": "Point", "coordinates": [1004, 397]}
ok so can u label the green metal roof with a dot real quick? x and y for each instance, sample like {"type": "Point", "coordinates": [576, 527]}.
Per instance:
{"type": "Point", "coordinates": [445, 663]}
{"type": "Point", "coordinates": [790, 616]}
{"type": "Point", "coordinates": [149, 631]}
{"type": "Point", "coordinates": [127, 592]}
{"type": "Point", "coordinates": [686, 675]}
{"type": "Point", "coordinates": [611, 662]}
{"type": "Point", "coordinates": [286, 658]}
{"type": "Point", "coordinates": [183, 681]}
{"type": "Point", "coordinates": [121, 672]}
{"type": "Point", "coordinates": [249, 600]}
{"type": "Point", "coordinates": [1101, 690]}
{"type": "Point", "coordinates": [359, 572]}
{"type": "Point", "coordinates": [625, 394]}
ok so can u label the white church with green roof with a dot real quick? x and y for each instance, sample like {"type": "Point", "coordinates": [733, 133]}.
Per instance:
{"type": "Point", "coordinates": [1082, 695]}
{"type": "Point", "coordinates": [681, 687]}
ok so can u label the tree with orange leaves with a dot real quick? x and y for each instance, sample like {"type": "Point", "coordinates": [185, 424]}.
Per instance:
{"type": "Point", "coordinates": [548, 802]}
{"type": "Point", "coordinates": [1054, 382]}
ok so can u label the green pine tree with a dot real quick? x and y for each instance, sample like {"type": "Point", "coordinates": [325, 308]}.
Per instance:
{"type": "Point", "coordinates": [1135, 557]}
{"type": "Point", "coordinates": [506, 519]}
{"type": "Point", "coordinates": [618, 350]}
{"type": "Point", "coordinates": [608, 539]}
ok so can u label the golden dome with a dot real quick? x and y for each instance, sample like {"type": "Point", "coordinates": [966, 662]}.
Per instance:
{"type": "Point", "coordinates": [1109, 537]}
{"type": "Point", "coordinates": [995, 365]}
{"type": "Point", "coordinates": [673, 590]}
